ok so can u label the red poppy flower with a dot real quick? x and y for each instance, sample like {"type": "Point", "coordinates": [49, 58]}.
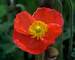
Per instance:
{"type": "Point", "coordinates": [35, 33]}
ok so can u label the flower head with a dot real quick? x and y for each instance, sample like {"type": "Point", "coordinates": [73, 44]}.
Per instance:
{"type": "Point", "coordinates": [34, 33]}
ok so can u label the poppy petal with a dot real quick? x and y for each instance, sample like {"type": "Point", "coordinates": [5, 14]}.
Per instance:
{"type": "Point", "coordinates": [48, 15]}
{"type": "Point", "coordinates": [23, 21]}
{"type": "Point", "coordinates": [49, 38]}
{"type": "Point", "coordinates": [28, 44]}
{"type": "Point", "coordinates": [55, 29]}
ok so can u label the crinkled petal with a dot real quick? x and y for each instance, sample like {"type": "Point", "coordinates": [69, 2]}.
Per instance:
{"type": "Point", "coordinates": [23, 21]}
{"type": "Point", "coordinates": [28, 44]}
{"type": "Point", "coordinates": [49, 38]}
{"type": "Point", "coordinates": [55, 29]}
{"type": "Point", "coordinates": [48, 15]}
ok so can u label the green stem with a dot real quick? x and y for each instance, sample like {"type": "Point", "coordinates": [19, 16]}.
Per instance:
{"type": "Point", "coordinates": [71, 31]}
{"type": "Point", "coordinates": [21, 6]}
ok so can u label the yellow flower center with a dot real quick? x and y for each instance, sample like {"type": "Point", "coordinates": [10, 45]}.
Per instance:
{"type": "Point", "coordinates": [38, 29]}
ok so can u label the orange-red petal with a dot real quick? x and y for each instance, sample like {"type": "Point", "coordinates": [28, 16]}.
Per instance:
{"type": "Point", "coordinates": [22, 22]}
{"type": "Point", "coordinates": [48, 15]}
{"type": "Point", "coordinates": [49, 38]}
{"type": "Point", "coordinates": [55, 29]}
{"type": "Point", "coordinates": [30, 45]}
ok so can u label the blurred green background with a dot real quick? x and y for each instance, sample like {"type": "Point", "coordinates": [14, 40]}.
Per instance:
{"type": "Point", "coordinates": [65, 43]}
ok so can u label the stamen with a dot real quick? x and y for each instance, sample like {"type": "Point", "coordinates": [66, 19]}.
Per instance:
{"type": "Point", "coordinates": [38, 29]}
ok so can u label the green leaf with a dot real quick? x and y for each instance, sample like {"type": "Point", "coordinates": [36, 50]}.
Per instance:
{"type": "Point", "coordinates": [5, 26]}
{"type": "Point", "coordinates": [3, 10]}
{"type": "Point", "coordinates": [8, 48]}
{"type": "Point", "coordinates": [30, 5]}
